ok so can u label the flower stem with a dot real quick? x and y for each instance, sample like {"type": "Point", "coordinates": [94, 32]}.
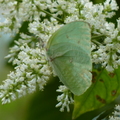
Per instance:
{"type": "Point", "coordinates": [48, 13]}
{"type": "Point", "coordinates": [96, 42]}
{"type": "Point", "coordinates": [93, 39]}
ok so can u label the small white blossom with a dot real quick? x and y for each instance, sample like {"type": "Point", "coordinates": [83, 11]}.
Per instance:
{"type": "Point", "coordinates": [109, 68]}
{"type": "Point", "coordinates": [116, 113]}
{"type": "Point", "coordinates": [32, 70]}
{"type": "Point", "coordinates": [65, 99]}
{"type": "Point", "coordinates": [118, 24]}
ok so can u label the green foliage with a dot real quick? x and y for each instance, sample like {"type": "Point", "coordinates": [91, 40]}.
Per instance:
{"type": "Point", "coordinates": [98, 1]}
{"type": "Point", "coordinates": [104, 89]}
{"type": "Point", "coordinates": [70, 56]}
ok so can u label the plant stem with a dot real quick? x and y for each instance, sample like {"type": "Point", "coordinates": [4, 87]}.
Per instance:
{"type": "Point", "coordinates": [48, 13]}
{"type": "Point", "coordinates": [96, 37]}
{"type": "Point", "coordinates": [96, 42]}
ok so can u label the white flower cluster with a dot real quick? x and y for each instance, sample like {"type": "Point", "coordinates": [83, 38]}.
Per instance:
{"type": "Point", "coordinates": [108, 52]}
{"type": "Point", "coordinates": [44, 17]}
{"type": "Point", "coordinates": [116, 113]}
{"type": "Point", "coordinates": [105, 37]}
{"type": "Point", "coordinates": [65, 99]}
{"type": "Point", "coordinates": [31, 71]}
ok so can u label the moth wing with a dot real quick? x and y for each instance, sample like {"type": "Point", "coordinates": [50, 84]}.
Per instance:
{"type": "Point", "coordinates": [73, 70]}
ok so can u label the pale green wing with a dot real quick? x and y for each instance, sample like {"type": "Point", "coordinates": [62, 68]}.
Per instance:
{"type": "Point", "coordinates": [78, 33]}
{"type": "Point", "coordinates": [73, 70]}
{"type": "Point", "coordinates": [69, 53]}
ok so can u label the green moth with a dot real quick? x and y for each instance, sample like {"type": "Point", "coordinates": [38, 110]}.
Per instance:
{"type": "Point", "coordinates": [69, 53]}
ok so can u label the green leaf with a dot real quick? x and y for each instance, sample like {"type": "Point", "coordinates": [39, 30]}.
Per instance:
{"type": "Point", "coordinates": [69, 53]}
{"type": "Point", "coordinates": [104, 89]}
